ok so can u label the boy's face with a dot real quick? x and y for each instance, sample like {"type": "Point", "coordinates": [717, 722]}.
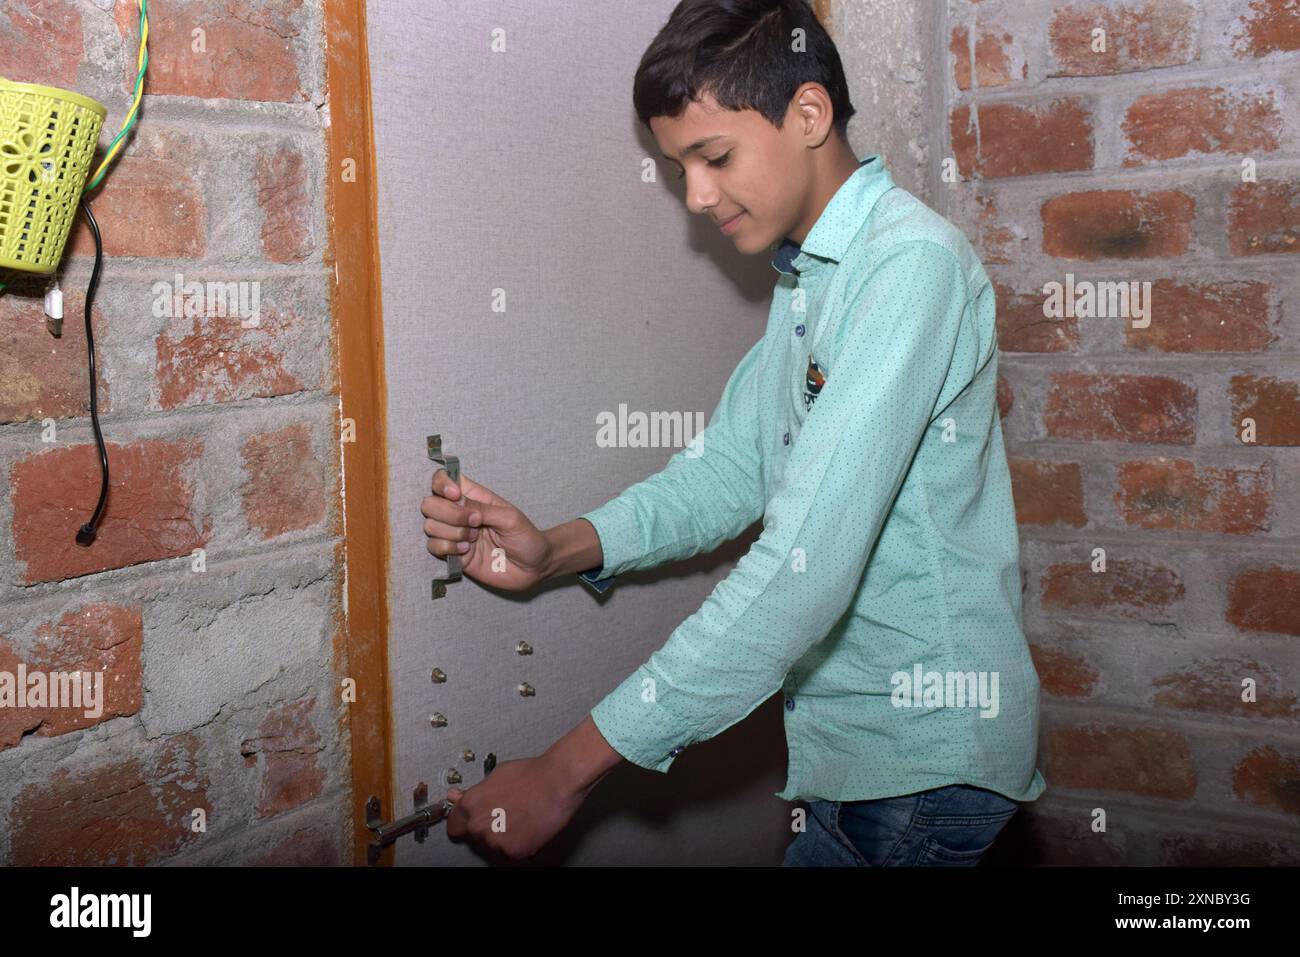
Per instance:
{"type": "Point", "coordinates": [745, 170]}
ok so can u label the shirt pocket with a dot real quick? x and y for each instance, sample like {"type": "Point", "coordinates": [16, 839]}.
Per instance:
{"type": "Point", "coordinates": [809, 372]}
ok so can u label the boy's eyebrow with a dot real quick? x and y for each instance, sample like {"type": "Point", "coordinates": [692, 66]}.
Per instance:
{"type": "Point", "coordinates": [698, 145]}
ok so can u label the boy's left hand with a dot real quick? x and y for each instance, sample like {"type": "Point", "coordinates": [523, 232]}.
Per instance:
{"type": "Point", "coordinates": [518, 808]}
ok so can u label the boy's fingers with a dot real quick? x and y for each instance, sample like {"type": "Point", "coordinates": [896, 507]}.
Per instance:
{"type": "Point", "coordinates": [438, 508]}
{"type": "Point", "coordinates": [444, 486]}
{"type": "Point", "coordinates": [450, 533]}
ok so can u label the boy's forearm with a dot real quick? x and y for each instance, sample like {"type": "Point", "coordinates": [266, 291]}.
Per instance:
{"type": "Point", "coordinates": [575, 547]}
{"type": "Point", "coordinates": [584, 756]}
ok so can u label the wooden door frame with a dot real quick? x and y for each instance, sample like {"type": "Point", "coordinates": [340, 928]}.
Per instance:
{"type": "Point", "coordinates": [361, 643]}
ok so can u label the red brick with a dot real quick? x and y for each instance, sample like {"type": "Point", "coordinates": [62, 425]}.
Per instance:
{"type": "Point", "coordinates": [147, 517]}
{"type": "Point", "coordinates": [218, 360]}
{"type": "Point", "coordinates": [1205, 317]}
{"type": "Point", "coordinates": [1274, 404]}
{"type": "Point", "coordinates": [1118, 224]}
{"type": "Point", "coordinates": [1175, 494]}
{"type": "Point", "coordinates": [249, 50]}
{"type": "Point", "coordinates": [285, 490]}
{"type": "Point", "coordinates": [1062, 674]}
{"type": "Point", "coordinates": [1147, 761]}
{"type": "Point", "coordinates": [43, 376]}
{"type": "Point", "coordinates": [1165, 126]}
{"type": "Point", "coordinates": [1047, 493]}
{"type": "Point", "coordinates": [1269, 779]}
{"type": "Point", "coordinates": [995, 236]}
{"type": "Point", "coordinates": [150, 205]}
{"type": "Point", "coordinates": [1271, 26]}
{"type": "Point", "coordinates": [1129, 588]}
{"type": "Point", "coordinates": [1120, 408]}
{"type": "Point", "coordinates": [132, 812]}
{"type": "Point", "coordinates": [1022, 326]}
{"type": "Point", "coordinates": [1006, 396]}
{"type": "Point", "coordinates": [1138, 37]}
{"type": "Point", "coordinates": [1265, 599]}
{"type": "Point", "coordinates": [1214, 687]}
{"type": "Point", "coordinates": [41, 41]}
{"type": "Point", "coordinates": [303, 848]}
{"type": "Point", "coordinates": [1264, 217]}
{"type": "Point", "coordinates": [286, 206]}
{"type": "Point", "coordinates": [290, 744]}
{"type": "Point", "coordinates": [1020, 140]}
{"type": "Point", "coordinates": [96, 638]}
{"type": "Point", "coordinates": [1225, 849]}
{"type": "Point", "coordinates": [995, 51]}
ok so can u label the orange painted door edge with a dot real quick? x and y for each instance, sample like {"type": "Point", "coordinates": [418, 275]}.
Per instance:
{"type": "Point", "coordinates": [361, 635]}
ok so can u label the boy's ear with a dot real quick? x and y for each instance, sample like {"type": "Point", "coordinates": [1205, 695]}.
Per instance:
{"type": "Point", "coordinates": [811, 104]}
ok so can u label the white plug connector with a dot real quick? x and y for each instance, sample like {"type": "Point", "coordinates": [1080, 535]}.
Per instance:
{"type": "Point", "coordinates": [54, 309]}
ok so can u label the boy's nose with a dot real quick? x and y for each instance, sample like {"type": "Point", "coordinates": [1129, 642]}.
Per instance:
{"type": "Point", "coordinates": [701, 199]}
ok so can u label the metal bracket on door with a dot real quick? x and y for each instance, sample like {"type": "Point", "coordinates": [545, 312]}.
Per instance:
{"type": "Point", "coordinates": [452, 464]}
{"type": "Point", "coordinates": [418, 822]}
{"type": "Point", "coordinates": [386, 834]}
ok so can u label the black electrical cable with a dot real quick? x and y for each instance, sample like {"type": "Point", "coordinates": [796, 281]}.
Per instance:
{"type": "Point", "coordinates": [86, 534]}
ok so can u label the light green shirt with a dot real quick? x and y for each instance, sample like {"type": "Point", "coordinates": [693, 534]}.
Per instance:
{"type": "Point", "coordinates": [883, 596]}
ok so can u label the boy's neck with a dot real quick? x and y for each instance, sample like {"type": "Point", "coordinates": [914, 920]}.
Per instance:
{"type": "Point", "coordinates": [831, 169]}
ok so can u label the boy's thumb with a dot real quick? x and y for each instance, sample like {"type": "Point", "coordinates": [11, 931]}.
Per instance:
{"type": "Point", "coordinates": [494, 515]}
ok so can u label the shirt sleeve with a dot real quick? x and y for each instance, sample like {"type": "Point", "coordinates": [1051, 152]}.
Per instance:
{"type": "Point", "coordinates": [709, 492]}
{"type": "Point", "coordinates": [843, 472]}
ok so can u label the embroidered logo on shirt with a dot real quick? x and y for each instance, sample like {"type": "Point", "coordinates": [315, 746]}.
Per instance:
{"type": "Point", "coordinates": [813, 383]}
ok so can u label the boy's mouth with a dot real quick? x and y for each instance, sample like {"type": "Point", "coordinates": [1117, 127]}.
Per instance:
{"type": "Point", "coordinates": [729, 226]}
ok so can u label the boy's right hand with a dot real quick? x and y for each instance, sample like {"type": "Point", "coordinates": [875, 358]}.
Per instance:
{"type": "Point", "coordinates": [524, 550]}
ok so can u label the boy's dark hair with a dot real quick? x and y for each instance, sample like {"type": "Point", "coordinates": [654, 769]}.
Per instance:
{"type": "Point", "coordinates": [740, 52]}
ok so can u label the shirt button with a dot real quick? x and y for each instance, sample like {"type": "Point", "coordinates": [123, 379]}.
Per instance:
{"type": "Point", "coordinates": [789, 704]}
{"type": "Point", "coordinates": [798, 330]}
{"type": "Point", "coordinates": [676, 751]}
{"type": "Point", "coordinates": [786, 440]}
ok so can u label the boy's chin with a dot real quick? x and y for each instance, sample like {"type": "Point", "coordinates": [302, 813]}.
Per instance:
{"type": "Point", "coordinates": [750, 242]}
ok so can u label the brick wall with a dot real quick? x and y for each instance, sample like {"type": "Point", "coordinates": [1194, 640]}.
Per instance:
{"type": "Point", "coordinates": [1146, 142]}
{"type": "Point", "coordinates": [209, 599]}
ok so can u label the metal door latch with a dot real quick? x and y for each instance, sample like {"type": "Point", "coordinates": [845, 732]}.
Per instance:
{"type": "Point", "coordinates": [452, 464]}
{"type": "Point", "coordinates": [418, 822]}
{"type": "Point", "coordinates": [386, 834]}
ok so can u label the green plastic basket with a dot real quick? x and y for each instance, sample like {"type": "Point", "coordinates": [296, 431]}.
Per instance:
{"type": "Point", "coordinates": [47, 142]}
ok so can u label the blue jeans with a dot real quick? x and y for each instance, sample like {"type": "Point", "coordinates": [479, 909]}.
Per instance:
{"type": "Point", "coordinates": [946, 827]}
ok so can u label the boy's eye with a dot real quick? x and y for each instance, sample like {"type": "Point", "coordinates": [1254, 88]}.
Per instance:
{"type": "Point", "coordinates": [720, 161]}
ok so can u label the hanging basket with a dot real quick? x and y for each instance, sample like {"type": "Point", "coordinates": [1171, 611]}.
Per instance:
{"type": "Point", "coordinates": [47, 141]}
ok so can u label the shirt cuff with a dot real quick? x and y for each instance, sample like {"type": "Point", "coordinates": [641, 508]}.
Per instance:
{"type": "Point", "coordinates": [609, 722]}
{"type": "Point", "coordinates": [620, 540]}
{"type": "Point", "coordinates": [598, 585]}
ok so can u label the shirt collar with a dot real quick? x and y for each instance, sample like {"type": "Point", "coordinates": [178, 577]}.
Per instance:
{"type": "Point", "coordinates": [840, 221]}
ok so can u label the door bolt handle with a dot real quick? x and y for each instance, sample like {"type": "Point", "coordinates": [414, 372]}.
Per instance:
{"type": "Point", "coordinates": [417, 823]}
{"type": "Point", "coordinates": [452, 464]}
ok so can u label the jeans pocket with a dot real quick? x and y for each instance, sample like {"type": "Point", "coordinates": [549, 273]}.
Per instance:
{"type": "Point", "coordinates": [875, 828]}
{"type": "Point", "coordinates": [962, 845]}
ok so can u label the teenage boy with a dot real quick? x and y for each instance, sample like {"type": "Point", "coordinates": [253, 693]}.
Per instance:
{"type": "Point", "coordinates": [883, 596]}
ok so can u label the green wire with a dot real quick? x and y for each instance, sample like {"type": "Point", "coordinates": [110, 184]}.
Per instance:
{"type": "Point", "coordinates": [139, 81]}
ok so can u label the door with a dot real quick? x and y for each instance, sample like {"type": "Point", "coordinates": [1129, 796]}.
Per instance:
{"type": "Point", "coordinates": [534, 275]}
